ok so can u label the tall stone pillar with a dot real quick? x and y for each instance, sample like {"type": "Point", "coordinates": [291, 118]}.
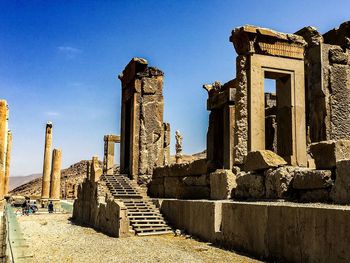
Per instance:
{"type": "Point", "coordinates": [45, 192]}
{"type": "Point", "coordinates": [55, 185]}
{"type": "Point", "coordinates": [3, 141]}
{"type": "Point", "coordinates": [8, 160]}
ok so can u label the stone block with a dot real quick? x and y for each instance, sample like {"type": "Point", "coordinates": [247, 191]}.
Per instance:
{"type": "Point", "coordinates": [249, 186]}
{"type": "Point", "coordinates": [340, 193]}
{"type": "Point", "coordinates": [278, 182]}
{"type": "Point", "coordinates": [195, 192]}
{"type": "Point", "coordinates": [337, 56]}
{"type": "Point", "coordinates": [156, 187]}
{"type": "Point", "coordinates": [222, 182]}
{"type": "Point", "coordinates": [201, 180]}
{"type": "Point", "coordinates": [328, 153]}
{"type": "Point", "coordinates": [317, 195]}
{"type": "Point", "coordinates": [197, 167]}
{"type": "Point", "coordinates": [312, 179]}
{"type": "Point", "coordinates": [152, 85]}
{"type": "Point", "coordinates": [173, 187]}
{"type": "Point", "coordinates": [262, 160]}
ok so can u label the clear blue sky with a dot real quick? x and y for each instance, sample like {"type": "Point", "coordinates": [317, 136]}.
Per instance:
{"type": "Point", "coordinates": [59, 61]}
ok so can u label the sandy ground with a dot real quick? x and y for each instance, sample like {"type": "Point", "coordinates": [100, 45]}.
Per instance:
{"type": "Point", "coordinates": [53, 238]}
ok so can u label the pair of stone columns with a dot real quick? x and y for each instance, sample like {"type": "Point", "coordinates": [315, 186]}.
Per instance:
{"type": "Point", "coordinates": [51, 180]}
{"type": "Point", "coordinates": [5, 150]}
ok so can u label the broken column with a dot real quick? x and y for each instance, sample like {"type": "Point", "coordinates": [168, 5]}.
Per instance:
{"type": "Point", "coordinates": [8, 160]}
{"type": "Point", "coordinates": [45, 190]}
{"type": "Point", "coordinates": [3, 142]}
{"type": "Point", "coordinates": [95, 170]}
{"type": "Point", "coordinates": [55, 185]}
{"type": "Point", "coordinates": [108, 159]}
{"type": "Point", "coordinates": [142, 131]}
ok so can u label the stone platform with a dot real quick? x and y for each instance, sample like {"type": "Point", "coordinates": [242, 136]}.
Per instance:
{"type": "Point", "coordinates": [278, 231]}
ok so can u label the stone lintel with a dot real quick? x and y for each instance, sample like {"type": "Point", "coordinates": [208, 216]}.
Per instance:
{"type": "Point", "coordinates": [251, 39]}
{"type": "Point", "coordinates": [112, 138]}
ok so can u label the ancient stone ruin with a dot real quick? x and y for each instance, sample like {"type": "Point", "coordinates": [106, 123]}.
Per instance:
{"type": "Point", "coordinates": [291, 145]}
{"type": "Point", "coordinates": [143, 144]}
{"type": "Point", "coordinates": [51, 179]}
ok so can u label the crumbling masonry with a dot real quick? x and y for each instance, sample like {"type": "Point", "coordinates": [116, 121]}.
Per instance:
{"type": "Point", "coordinates": [144, 140]}
{"type": "Point", "coordinates": [290, 145]}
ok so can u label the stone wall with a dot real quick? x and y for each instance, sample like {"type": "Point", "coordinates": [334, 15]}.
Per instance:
{"type": "Point", "coordinates": [282, 232]}
{"type": "Point", "coordinates": [184, 180]}
{"type": "Point", "coordinates": [327, 73]}
{"type": "Point", "coordinates": [96, 208]}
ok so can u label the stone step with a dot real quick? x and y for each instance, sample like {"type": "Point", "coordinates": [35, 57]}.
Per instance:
{"type": "Point", "coordinates": [155, 233]}
{"type": "Point", "coordinates": [151, 230]}
{"type": "Point", "coordinates": [145, 217]}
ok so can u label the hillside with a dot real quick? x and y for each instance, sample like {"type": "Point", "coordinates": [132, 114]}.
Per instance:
{"type": "Point", "coordinates": [16, 181]}
{"type": "Point", "coordinates": [72, 175]}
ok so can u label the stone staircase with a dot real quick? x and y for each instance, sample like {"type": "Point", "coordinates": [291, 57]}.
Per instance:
{"type": "Point", "coordinates": [144, 217]}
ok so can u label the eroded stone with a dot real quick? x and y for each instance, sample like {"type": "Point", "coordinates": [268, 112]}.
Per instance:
{"type": "Point", "coordinates": [262, 159]}
{"type": "Point", "coordinates": [222, 183]}
{"type": "Point", "coordinates": [312, 179]}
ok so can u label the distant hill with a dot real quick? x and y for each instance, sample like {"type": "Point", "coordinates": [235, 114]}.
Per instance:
{"type": "Point", "coordinates": [16, 181]}
{"type": "Point", "coordinates": [74, 174]}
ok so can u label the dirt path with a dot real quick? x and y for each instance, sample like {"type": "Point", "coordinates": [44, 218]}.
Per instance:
{"type": "Point", "coordinates": [52, 238]}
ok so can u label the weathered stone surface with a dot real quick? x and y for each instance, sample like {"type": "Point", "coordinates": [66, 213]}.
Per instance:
{"type": "Point", "coordinates": [337, 56]}
{"type": "Point", "coordinates": [196, 192]}
{"type": "Point", "coordinates": [241, 110]}
{"type": "Point", "coordinates": [311, 36]}
{"type": "Point", "coordinates": [312, 179]}
{"type": "Point", "coordinates": [249, 186]}
{"type": "Point", "coordinates": [95, 207]}
{"type": "Point", "coordinates": [278, 182]}
{"type": "Point", "coordinates": [316, 195]}
{"type": "Point", "coordinates": [201, 180]}
{"type": "Point", "coordinates": [261, 160]}
{"type": "Point", "coordinates": [197, 167]}
{"type": "Point", "coordinates": [328, 153]}
{"type": "Point", "coordinates": [143, 146]}
{"type": "Point", "coordinates": [173, 187]}
{"type": "Point", "coordinates": [156, 187]}
{"type": "Point", "coordinates": [341, 191]}
{"type": "Point", "coordinates": [222, 183]}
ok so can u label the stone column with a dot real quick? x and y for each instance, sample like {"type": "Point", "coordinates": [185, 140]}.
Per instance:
{"type": "Point", "coordinates": [55, 175]}
{"type": "Point", "coordinates": [8, 160]}
{"type": "Point", "coordinates": [3, 139]}
{"type": "Point", "coordinates": [108, 159]}
{"type": "Point", "coordinates": [45, 192]}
